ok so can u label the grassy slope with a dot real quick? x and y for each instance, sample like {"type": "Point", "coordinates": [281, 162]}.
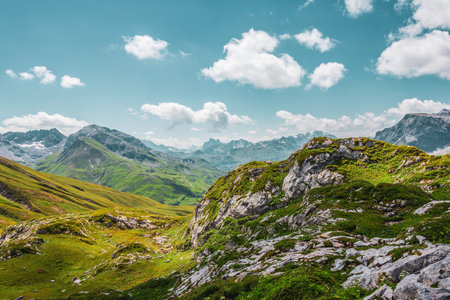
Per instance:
{"type": "Point", "coordinates": [373, 187]}
{"type": "Point", "coordinates": [65, 256]}
{"type": "Point", "coordinates": [166, 182]}
{"type": "Point", "coordinates": [384, 166]}
{"type": "Point", "coordinates": [80, 238]}
{"type": "Point", "coordinates": [27, 193]}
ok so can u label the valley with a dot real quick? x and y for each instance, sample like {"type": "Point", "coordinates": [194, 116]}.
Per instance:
{"type": "Point", "coordinates": [328, 221]}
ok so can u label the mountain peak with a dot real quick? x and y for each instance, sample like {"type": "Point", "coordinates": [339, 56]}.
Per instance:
{"type": "Point", "coordinates": [428, 132]}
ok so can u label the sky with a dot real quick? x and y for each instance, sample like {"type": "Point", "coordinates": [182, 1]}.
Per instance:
{"type": "Point", "coordinates": [181, 72]}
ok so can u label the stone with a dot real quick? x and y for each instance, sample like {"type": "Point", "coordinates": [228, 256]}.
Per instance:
{"type": "Point", "coordinates": [338, 265]}
{"type": "Point", "coordinates": [385, 292]}
{"type": "Point", "coordinates": [410, 288]}
{"type": "Point", "coordinates": [423, 209]}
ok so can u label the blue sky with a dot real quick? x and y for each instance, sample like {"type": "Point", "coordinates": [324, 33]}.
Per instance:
{"type": "Point", "coordinates": [158, 69]}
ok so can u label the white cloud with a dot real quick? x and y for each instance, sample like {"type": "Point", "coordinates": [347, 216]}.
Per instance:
{"type": "Point", "coordinates": [26, 76]}
{"type": "Point", "coordinates": [440, 152]}
{"type": "Point", "coordinates": [252, 131]}
{"type": "Point", "coordinates": [137, 113]}
{"type": "Point", "coordinates": [417, 56]}
{"type": "Point", "coordinates": [42, 120]}
{"type": "Point", "coordinates": [184, 54]}
{"type": "Point", "coordinates": [11, 73]}
{"type": "Point", "coordinates": [327, 75]}
{"type": "Point", "coordinates": [284, 36]}
{"type": "Point", "coordinates": [356, 8]}
{"type": "Point", "coordinates": [314, 39]}
{"type": "Point", "coordinates": [400, 4]}
{"type": "Point", "coordinates": [214, 113]}
{"type": "Point", "coordinates": [69, 82]}
{"type": "Point", "coordinates": [249, 61]}
{"type": "Point", "coordinates": [415, 105]}
{"type": "Point", "coordinates": [46, 76]}
{"type": "Point", "coordinates": [366, 124]}
{"type": "Point", "coordinates": [306, 4]}
{"type": "Point", "coordinates": [144, 46]}
{"type": "Point", "coordinates": [195, 129]}
{"type": "Point", "coordinates": [432, 14]}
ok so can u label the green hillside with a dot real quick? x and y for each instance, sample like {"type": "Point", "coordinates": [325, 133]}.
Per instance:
{"type": "Point", "coordinates": [136, 170]}
{"type": "Point", "coordinates": [26, 193]}
{"type": "Point", "coordinates": [60, 228]}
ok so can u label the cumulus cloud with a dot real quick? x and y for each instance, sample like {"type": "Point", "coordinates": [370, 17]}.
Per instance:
{"type": "Point", "coordinates": [327, 75]}
{"type": "Point", "coordinates": [314, 39]}
{"type": "Point", "coordinates": [356, 8]}
{"type": "Point", "coordinates": [400, 4]}
{"type": "Point", "coordinates": [284, 36]}
{"type": "Point", "coordinates": [417, 56]}
{"type": "Point", "coordinates": [250, 61]}
{"type": "Point", "coordinates": [366, 124]}
{"type": "Point", "coordinates": [214, 113]}
{"type": "Point", "coordinates": [69, 82]}
{"type": "Point", "coordinates": [43, 120]}
{"type": "Point", "coordinates": [428, 15]}
{"type": "Point", "coordinates": [431, 14]}
{"type": "Point", "coordinates": [11, 73]}
{"type": "Point", "coordinates": [26, 76]}
{"type": "Point", "coordinates": [415, 105]}
{"type": "Point", "coordinates": [45, 75]}
{"type": "Point", "coordinates": [144, 46]}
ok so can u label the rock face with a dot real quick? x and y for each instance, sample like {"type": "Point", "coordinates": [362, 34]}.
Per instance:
{"type": "Point", "coordinates": [357, 208]}
{"type": "Point", "coordinates": [301, 176]}
{"type": "Point", "coordinates": [428, 132]}
{"type": "Point", "coordinates": [32, 146]}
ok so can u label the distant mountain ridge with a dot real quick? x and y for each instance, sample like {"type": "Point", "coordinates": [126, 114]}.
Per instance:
{"type": "Point", "coordinates": [32, 146]}
{"type": "Point", "coordinates": [428, 132]}
{"type": "Point", "coordinates": [227, 156]}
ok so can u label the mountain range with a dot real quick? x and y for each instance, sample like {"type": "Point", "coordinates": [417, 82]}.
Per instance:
{"type": "Point", "coordinates": [429, 132]}
{"type": "Point", "coordinates": [227, 156]}
{"type": "Point", "coordinates": [112, 158]}
{"type": "Point", "coordinates": [32, 146]}
{"type": "Point", "coordinates": [350, 218]}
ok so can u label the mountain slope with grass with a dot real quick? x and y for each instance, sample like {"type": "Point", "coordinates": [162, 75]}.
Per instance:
{"type": "Point", "coordinates": [114, 159]}
{"type": "Point", "coordinates": [61, 236]}
{"type": "Point", "coordinates": [340, 218]}
{"type": "Point", "coordinates": [351, 218]}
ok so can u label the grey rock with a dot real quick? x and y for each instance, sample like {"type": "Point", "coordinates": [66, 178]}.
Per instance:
{"type": "Point", "coordinates": [338, 265]}
{"type": "Point", "coordinates": [385, 292]}
{"type": "Point", "coordinates": [410, 288]}
{"type": "Point", "coordinates": [423, 209]}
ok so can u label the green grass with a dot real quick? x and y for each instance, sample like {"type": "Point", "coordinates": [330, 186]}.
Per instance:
{"type": "Point", "coordinates": [64, 256]}
{"type": "Point", "coordinates": [28, 194]}
{"type": "Point", "coordinates": [300, 282]}
{"type": "Point", "coordinates": [167, 182]}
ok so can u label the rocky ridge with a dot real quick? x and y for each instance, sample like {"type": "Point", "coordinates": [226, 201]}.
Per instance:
{"type": "Point", "coordinates": [379, 228]}
{"type": "Point", "coordinates": [32, 146]}
{"type": "Point", "coordinates": [429, 132]}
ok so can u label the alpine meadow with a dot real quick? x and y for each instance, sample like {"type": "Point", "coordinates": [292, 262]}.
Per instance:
{"type": "Point", "coordinates": [225, 150]}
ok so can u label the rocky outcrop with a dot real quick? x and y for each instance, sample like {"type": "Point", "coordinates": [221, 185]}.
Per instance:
{"type": "Point", "coordinates": [301, 176]}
